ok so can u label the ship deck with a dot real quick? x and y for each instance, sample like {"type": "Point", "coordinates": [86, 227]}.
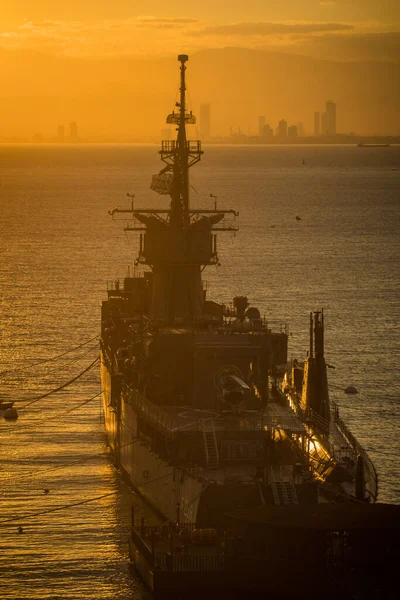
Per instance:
{"type": "Point", "coordinates": [181, 419]}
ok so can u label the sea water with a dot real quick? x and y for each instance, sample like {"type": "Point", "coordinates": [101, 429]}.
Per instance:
{"type": "Point", "coordinates": [319, 228]}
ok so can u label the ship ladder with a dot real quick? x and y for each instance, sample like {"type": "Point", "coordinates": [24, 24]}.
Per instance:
{"type": "Point", "coordinates": [283, 488]}
{"type": "Point", "coordinates": [210, 444]}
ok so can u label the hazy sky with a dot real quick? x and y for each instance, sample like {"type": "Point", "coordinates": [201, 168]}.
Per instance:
{"type": "Point", "coordinates": [88, 61]}
{"type": "Point", "coordinates": [353, 29]}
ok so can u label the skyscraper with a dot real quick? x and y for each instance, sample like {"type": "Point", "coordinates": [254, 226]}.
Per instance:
{"type": "Point", "coordinates": [205, 121]}
{"type": "Point", "coordinates": [267, 132]}
{"type": "Point", "coordinates": [73, 132]}
{"type": "Point", "coordinates": [317, 123]}
{"type": "Point", "coordinates": [261, 125]}
{"type": "Point", "coordinates": [282, 130]}
{"type": "Point", "coordinates": [292, 132]}
{"type": "Point", "coordinates": [300, 129]}
{"type": "Point", "coordinates": [330, 117]}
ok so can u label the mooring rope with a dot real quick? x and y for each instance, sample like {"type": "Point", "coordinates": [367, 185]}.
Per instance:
{"type": "Point", "coordinates": [66, 506]}
{"type": "Point", "coordinates": [37, 398]}
{"type": "Point", "coordinates": [32, 424]}
{"type": "Point", "coordinates": [65, 365]}
{"type": "Point", "coordinates": [46, 360]}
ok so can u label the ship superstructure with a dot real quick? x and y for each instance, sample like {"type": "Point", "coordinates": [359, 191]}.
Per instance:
{"type": "Point", "coordinates": [191, 416]}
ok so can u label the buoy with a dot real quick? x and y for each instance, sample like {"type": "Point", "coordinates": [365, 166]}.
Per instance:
{"type": "Point", "coordinates": [298, 218]}
{"type": "Point", "coordinates": [20, 529]}
{"type": "Point", "coordinates": [351, 390]}
{"type": "Point", "coordinates": [46, 491]}
{"type": "Point", "coordinates": [11, 414]}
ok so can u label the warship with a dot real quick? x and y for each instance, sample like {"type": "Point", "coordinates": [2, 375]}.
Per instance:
{"type": "Point", "coordinates": [204, 415]}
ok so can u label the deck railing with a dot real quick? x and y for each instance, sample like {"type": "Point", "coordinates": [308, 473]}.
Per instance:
{"type": "Point", "coordinates": [147, 532]}
{"type": "Point", "coordinates": [195, 562]}
{"type": "Point", "coordinates": [340, 453]}
{"type": "Point", "coordinates": [189, 563]}
{"type": "Point", "coordinates": [179, 558]}
{"type": "Point", "coordinates": [371, 476]}
{"type": "Point", "coordinates": [151, 412]}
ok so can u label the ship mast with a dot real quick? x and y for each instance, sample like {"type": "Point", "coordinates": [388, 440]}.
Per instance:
{"type": "Point", "coordinates": [180, 203]}
{"type": "Point", "coordinates": [177, 243]}
{"type": "Point", "coordinates": [179, 155]}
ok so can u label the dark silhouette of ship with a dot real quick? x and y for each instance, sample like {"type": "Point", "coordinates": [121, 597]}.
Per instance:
{"type": "Point", "coordinates": [207, 422]}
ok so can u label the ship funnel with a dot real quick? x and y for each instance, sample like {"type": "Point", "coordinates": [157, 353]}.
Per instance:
{"type": "Point", "coordinates": [315, 396]}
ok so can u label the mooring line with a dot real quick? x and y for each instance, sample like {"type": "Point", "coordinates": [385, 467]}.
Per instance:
{"type": "Point", "coordinates": [66, 506]}
{"type": "Point", "coordinates": [46, 360]}
{"type": "Point", "coordinates": [37, 398]}
{"type": "Point", "coordinates": [34, 422]}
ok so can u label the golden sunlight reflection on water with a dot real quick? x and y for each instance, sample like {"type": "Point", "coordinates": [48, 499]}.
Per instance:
{"type": "Point", "coordinates": [59, 248]}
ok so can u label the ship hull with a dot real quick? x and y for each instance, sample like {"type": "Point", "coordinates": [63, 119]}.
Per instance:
{"type": "Point", "coordinates": [172, 492]}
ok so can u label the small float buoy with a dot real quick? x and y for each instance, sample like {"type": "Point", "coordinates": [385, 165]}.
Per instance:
{"type": "Point", "coordinates": [46, 491]}
{"type": "Point", "coordinates": [20, 529]}
{"type": "Point", "coordinates": [351, 390]}
{"type": "Point", "coordinates": [11, 414]}
{"type": "Point", "coordinates": [298, 218]}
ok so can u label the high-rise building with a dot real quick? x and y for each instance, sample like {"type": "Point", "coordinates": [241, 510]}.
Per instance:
{"type": "Point", "coordinates": [330, 117]}
{"type": "Point", "coordinates": [267, 132]}
{"type": "Point", "coordinates": [205, 121]}
{"type": "Point", "coordinates": [300, 129]}
{"type": "Point", "coordinates": [292, 132]}
{"type": "Point", "coordinates": [73, 132]}
{"type": "Point", "coordinates": [317, 123]}
{"type": "Point", "coordinates": [261, 125]}
{"type": "Point", "coordinates": [61, 133]}
{"type": "Point", "coordinates": [282, 130]}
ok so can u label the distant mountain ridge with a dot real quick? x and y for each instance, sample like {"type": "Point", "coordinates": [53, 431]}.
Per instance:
{"type": "Point", "coordinates": [131, 96]}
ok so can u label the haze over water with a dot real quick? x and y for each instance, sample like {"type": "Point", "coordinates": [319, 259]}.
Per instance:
{"type": "Point", "coordinates": [58, 249]}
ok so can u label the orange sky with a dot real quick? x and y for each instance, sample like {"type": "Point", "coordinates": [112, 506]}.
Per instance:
{"type": "Point", "coordinates": [110, 64]}
{"type": "Point", "coordinates": [324, 28]}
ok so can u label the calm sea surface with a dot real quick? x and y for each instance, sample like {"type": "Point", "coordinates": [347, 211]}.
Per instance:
{"type": "Point", "coordinates": [58, 248]}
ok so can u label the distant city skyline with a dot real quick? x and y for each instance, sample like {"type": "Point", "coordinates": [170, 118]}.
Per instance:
{"type": "Point", "coordinates": [324, 131]}
{"type": "Point", "coordinates": [324, 124]}
{"type": "Point", "coordinates": [324, 127]}
{"type": "Point", "coordinates": [127, 102]}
